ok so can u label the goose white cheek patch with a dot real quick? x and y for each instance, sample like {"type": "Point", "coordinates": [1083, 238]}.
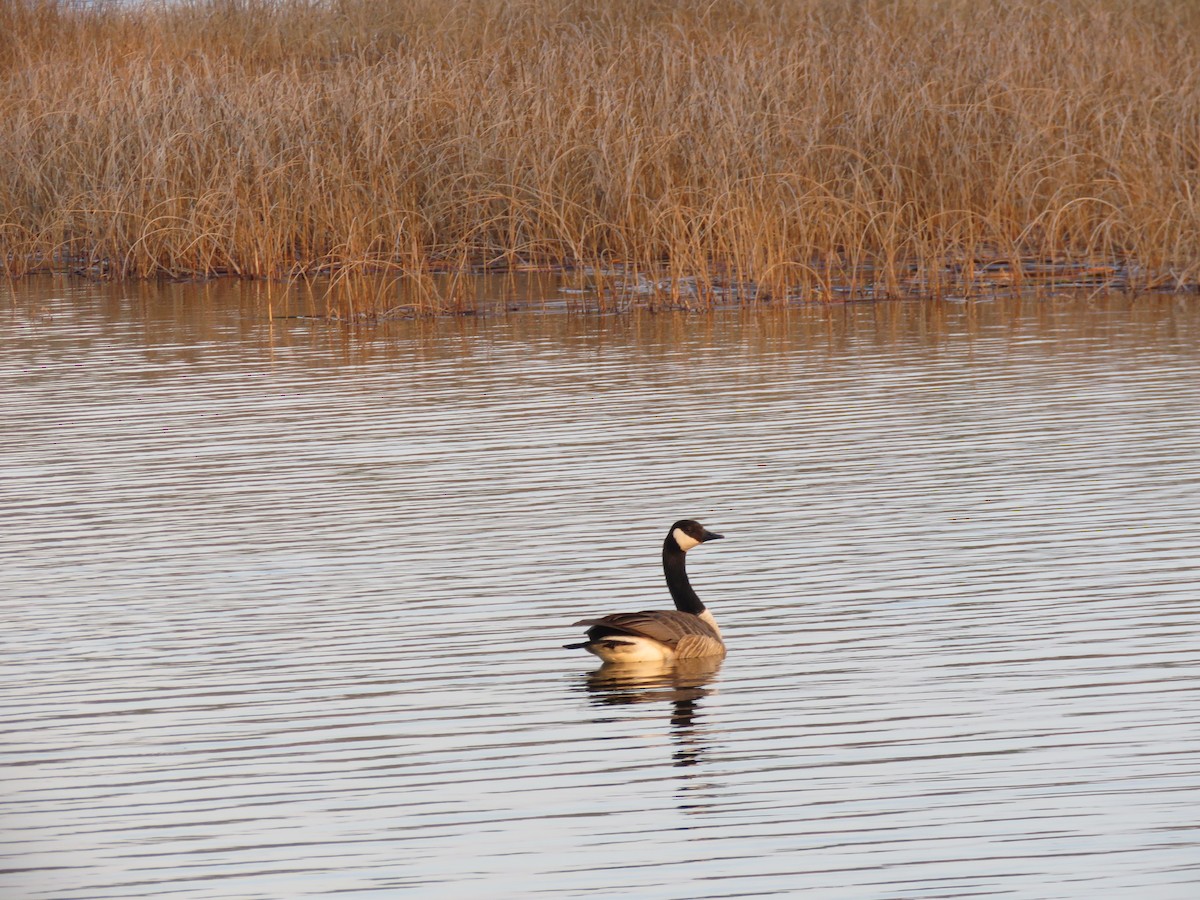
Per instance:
{"type": "Point", "coordinates": [683, 539]}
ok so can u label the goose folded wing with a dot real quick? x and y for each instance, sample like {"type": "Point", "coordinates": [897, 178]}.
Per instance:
{"type": "Point", "coordinates": [667, 626]}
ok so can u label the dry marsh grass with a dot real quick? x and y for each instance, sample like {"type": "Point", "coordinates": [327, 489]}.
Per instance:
{"type": "Point", "coordinates": [789, 148]}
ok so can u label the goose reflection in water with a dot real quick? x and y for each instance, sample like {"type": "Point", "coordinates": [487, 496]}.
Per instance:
{"type": "Point", "coordinates": [682, 684]}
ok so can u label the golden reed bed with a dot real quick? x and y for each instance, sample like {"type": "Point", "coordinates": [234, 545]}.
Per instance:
{"type": "Point", "coordinates": [786, 148]}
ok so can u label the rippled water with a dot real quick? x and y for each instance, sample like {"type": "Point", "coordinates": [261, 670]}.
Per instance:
{"type": "Point", "coordinates": [283, 603]}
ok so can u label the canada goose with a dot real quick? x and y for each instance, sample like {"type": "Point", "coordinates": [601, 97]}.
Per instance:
{"type": "Point", "coordinates": [689, 631]}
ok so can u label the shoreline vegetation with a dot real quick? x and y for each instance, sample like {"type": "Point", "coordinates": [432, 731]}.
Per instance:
{"type": "Point", "coordinates": [669, 152]}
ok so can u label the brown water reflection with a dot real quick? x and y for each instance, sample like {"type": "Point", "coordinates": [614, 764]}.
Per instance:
{"type": "Point", "coordinates": [161, 313]}
{"type": "Point", "coordinates": [678, 688]}
{"type": "Point", "coordinates": [284, 601]}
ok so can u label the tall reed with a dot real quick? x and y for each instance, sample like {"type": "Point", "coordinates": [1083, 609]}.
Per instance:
{"type": "Point", "coordinates": [791, 145]}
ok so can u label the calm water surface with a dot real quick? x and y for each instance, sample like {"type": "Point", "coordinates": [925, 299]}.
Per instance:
{"type": "Point", "coordinates": [283, 603]}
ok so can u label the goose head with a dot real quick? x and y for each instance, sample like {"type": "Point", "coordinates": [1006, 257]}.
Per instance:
{"type": "Point", "coordinates": [688, 533]}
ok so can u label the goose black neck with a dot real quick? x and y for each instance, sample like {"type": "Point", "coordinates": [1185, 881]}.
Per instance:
{"type": "Point", "coordinates": [677, 581]}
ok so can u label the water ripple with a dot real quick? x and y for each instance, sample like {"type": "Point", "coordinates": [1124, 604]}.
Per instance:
{"type": "Point", "coordinates": [284, 605]}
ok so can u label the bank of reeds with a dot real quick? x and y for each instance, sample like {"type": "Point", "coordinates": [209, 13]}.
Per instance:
{"type": "Point", "coordinates": [787, 147]}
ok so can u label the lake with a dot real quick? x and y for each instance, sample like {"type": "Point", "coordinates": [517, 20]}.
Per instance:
{"type": "Point", "coordinates": [284, 601]}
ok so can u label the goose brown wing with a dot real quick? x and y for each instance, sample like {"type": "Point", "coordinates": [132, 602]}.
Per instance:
{"type": "Point", "coordinates": [665, 626]}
